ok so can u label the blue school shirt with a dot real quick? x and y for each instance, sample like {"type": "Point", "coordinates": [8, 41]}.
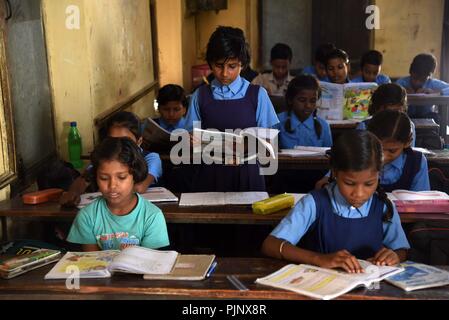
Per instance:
{"type": "Point", "coordinates": [304, 132]}
{"type": "Point", "coordinates": [392, 171]}
{"type": "Point", "coordinates": [380, 79]}
{"type": "Point", "coordinates": [265, 114]}
{"type": "Point", "coordinates": [312, 71]}
{"type": "Point", "coordinates": [295, 225]}
{"type": "Point", "coordinates": [171, 127]}
{"type": "Point", "coordinates": [434, 84]}
{"type": "Point", "coordinates": [154, 164]}
{"type": "Point", "coordinates": [362, 126]}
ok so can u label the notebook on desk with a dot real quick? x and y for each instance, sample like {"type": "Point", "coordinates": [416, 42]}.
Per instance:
{"type": "Point", "coordinates": [220, 198]}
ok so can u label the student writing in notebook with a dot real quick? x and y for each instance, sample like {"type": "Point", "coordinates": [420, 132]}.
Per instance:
{"type": "Point", "coordinates": [404, 168]}
{"type": "Point", "coordinates": [420, 81]}
{"type": "Point", "coordinates": [121, 217]}
{"type": "Point", "coordinates": [229, 102]}
{"type": "Point", "coordinates": [350, 219]}
{"type": "Point", "coordinates": [371, 65]}
{"type": "Point", "coordinates": [122, 124]}
{"type": "Point", "coordinates": [389, 96]}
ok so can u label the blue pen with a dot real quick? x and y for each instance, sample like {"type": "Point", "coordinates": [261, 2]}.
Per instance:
{"type": "Point", "coordinates": [211, 269]}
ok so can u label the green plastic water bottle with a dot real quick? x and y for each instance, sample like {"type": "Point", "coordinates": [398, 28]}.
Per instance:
{"type": "Point", "coordinates": [75, 146]}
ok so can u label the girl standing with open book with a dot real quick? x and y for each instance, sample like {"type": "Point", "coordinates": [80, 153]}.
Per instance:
{"type": "Point", "coordinates": [229, 102]}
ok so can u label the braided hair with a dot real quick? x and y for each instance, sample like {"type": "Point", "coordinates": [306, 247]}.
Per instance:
{"type": "Point", "coordinates": [359, 150]}
{"type": "Point", "coordinates": [302, 82]}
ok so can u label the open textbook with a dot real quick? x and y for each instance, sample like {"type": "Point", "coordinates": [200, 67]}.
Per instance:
{"type": "Point", "coordinates": [228, 147]}
{"type": "Point", "coordinates": [326, 284]}
{"type": "Point", "coordinates": [187, 267]}
{"type": "Point", "coordinates": [154, 136]}
{"type": "Point", "coordinates": [419, 276]}
{"type": "Point", "coordinates": [154, 194]}
{"type": "Point", "coordinates": [221, 198]}
{"type": "Point", "coordinates": [14, 266]}
{"type": "Point", "coordinates": [101, 264]}
{"type": "Point", "coordinates": [345, 101]}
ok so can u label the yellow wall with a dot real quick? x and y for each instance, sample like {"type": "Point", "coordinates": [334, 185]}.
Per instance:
{"type": "Point", "coordinates": [182, 38]}
{"type": "Point", "coordinates": [169, 29]}
{"type": "Point", "coordinates": [408, 27]}
{"type": "Point", "coordinates": [98, 66]}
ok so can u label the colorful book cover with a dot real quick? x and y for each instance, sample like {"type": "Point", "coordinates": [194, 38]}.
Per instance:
{"type": "Point", "coordinates": [357, 100]}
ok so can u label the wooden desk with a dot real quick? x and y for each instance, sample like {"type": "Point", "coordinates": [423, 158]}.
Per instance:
{"type": "Point", "coordinates": [441, 101]}
{"type": "Point", "coordinates": [175, 214]}
{"type": "Point", "coordinates": [440, 159]}
{"type": "Point", "coordinates": [129, 286]}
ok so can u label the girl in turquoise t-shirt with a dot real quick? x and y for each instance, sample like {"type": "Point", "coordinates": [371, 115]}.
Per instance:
{"type": "Point", "coordinates": [121, 217]}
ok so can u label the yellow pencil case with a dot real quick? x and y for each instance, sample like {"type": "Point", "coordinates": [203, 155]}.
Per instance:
{"type": "Point", "coordinates": [273, 204]}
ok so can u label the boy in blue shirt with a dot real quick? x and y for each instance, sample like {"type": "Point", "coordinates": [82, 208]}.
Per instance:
{"type": "Point", "coordinates": [420, 81]}
{"type": "Point", "coordinates": [318, 69]}
{"type": "Point", "coordinates": [172, 105]}
{"type": "Point", "coordinates": [371, 65]}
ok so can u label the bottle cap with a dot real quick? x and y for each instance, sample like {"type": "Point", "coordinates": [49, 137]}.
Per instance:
{"type": "Point", "coordinates": [73, 124]}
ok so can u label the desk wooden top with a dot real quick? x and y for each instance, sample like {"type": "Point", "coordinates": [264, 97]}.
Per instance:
{"type": "Point", "coordinates": [425, 100]}
{"type": "Point", "coordinates": [33, 286]}
{"type": "Point", "coordinates": [229, 214]}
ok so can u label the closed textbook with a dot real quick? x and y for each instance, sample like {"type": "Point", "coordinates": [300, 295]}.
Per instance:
{"type": "Point", "coordinates": [419, 276]}
{"type": "Point", "coordinates": [14, 266]}
{"type": "Point", "coordinates": [102, 264]}
{"type": "Point", "coordinates": [187, 267]}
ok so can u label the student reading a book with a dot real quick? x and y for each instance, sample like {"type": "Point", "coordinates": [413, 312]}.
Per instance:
{"type": "Point", "coordinates": [337, 66]}
{"type": "Point", "coordinates": [404, 168]}
{"type": "Point", "coordinates": [389, 96]}
{"type": "Point", "coordinates": [350, 219]}
{"type": "Point", "coordinates": [420, 81]}
{"type": "Point", "coordinates": [121, 217]}
{"type": "Point", "coordinates": [371, 65]}
{"type": "Point", "coordinates": [318, 69]}
{"type": "Point", "coordinates": [122, 124]}
{"type": "Point", "coordinates": [172, 105]}
{"type": "Point", "coordinates": [276, 81]}
{"type": "Point", "coordinates": [300, 126]}
{"type": "Point", "coordinates": [229, 102]}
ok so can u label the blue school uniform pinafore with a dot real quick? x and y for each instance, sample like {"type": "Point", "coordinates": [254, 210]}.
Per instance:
{"type": "Point", "coordinates": [330, 232]}
{"type": "Point", "coordinates": [221, 115]}
{"type": "Point", "coordinates": [411, 167]}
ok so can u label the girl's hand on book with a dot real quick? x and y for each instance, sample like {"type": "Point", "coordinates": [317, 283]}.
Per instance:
{"type": "Point", "coordinates": [340, 259]}
{"type": "Point", "coordinates": [385, 257]}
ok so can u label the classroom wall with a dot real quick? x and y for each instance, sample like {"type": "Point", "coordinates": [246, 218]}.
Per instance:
{"type": "Point", "coordinates": [98, 66]}
{"type": "Point", "coordinates": [407, 28]}
{"type": "Point", "coordinates": [182, 38]}
{"type": "Point", "coordinates": [292, 26]}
